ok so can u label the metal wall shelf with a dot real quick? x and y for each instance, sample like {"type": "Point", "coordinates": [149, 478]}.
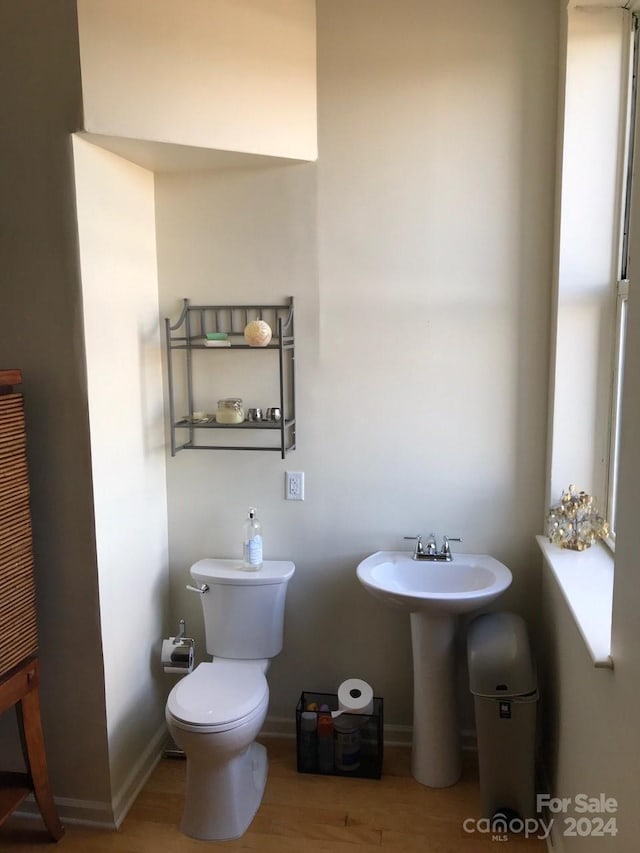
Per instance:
{"type": "Point", "coordinates": [187, 335]}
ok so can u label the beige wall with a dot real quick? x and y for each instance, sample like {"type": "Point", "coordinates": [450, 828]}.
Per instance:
{"type": "Point", "coordinates": [42, 335]}
{"type": "Point", "coordinates": [116, 225]}
{"type": "Point", "coordinates": [419, 252]}
{"type": "Point", "coordinates": [205, 73]}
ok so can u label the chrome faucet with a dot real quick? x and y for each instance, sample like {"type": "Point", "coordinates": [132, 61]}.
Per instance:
{"type": "Point", "coordinates": [429, 551]}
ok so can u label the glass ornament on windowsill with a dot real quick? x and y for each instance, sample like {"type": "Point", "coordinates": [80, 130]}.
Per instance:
{"type": "Point", "coordinates": [575, 522]}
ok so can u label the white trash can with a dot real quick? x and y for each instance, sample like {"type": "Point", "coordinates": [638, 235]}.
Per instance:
{"type": "Point", "coordinates": [502, 679]}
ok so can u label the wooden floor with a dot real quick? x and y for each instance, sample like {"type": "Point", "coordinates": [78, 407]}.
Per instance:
{"type": "Point", "coordinates": [300, 813]}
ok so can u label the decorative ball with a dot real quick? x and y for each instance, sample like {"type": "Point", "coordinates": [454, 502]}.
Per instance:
{"type": "Point", "coordinates": [257, 333]}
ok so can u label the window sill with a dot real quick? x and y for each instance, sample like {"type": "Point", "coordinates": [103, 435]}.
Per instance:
{"type": "Point", "coordinates": [585, 579]}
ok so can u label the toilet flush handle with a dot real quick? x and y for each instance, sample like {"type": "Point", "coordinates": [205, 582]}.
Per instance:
{"type": "Point", "coordinates": [199, 589]}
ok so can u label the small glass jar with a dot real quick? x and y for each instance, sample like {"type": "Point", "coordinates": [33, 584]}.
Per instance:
{"type": "Point", "coordinates": [230, 411]}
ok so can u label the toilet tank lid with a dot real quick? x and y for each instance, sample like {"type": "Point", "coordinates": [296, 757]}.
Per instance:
{"type": "Point", "coordinates": [215, 570]}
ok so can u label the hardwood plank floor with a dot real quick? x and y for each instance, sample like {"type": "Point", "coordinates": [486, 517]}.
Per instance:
{"type": "Point", "coordinates": [299, 812]}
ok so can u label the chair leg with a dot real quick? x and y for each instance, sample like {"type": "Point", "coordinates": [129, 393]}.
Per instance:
{"type": "Point", "coordinates": [36, 758]}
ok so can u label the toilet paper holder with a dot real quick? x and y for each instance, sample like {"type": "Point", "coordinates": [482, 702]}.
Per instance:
{"type": "Point", "coordinates": [179, 636]}
{"type": "Point", "coordinates": [177, 655]}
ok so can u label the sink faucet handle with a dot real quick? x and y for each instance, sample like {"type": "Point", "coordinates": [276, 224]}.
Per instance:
{"type": "Point", "coordinates": [418, 541]}
{"type": "Point", "coordinates": [445, 543]}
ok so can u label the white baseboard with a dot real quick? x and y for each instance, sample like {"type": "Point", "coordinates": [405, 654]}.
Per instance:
{"type": "Point", "coordinates": [394, 735]}
{"type": "Point", "coordinates": [279, 727]}
{"type": "Point", "coordinates": [286, 727]}
{"type": "Point", "coordinates": [138, 775]}
{"type": "Point", "coordinates": [105, 815]}
{"type": "Point", "coordinates": [93, 813]}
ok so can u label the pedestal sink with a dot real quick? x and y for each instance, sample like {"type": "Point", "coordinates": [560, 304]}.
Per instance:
{"type": "Point", "coordinates": [434, 594]}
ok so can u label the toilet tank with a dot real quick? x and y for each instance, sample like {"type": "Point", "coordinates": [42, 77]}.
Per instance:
{"type": "Point", "coordinates": [243, 610]}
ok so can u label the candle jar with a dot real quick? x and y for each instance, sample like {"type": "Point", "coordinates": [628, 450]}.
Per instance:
{"type": "Point", "coordinates": [230, 411]}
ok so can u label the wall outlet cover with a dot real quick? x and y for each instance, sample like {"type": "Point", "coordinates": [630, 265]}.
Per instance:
{"type": "Point", "coordinates": [294, 485]}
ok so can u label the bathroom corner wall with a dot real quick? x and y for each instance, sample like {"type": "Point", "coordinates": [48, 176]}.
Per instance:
{"type": "Point", "coordinates": [217, 74]}
{"type": "Point", "coordinates": [42, 335]}
{"type": "Point", "coordinates": [419, 251]}
{"type": "Point", "coordinates": [116, 227]}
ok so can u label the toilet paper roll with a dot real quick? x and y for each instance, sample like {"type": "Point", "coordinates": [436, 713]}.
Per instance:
{"type": "Point", "coordinates": [355, 696]}
{"type": "Point", "coordinates": [177, 658]}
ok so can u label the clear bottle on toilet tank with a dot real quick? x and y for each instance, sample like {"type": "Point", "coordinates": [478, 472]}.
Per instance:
{"type": "Point", "coordinates": [252, 542]}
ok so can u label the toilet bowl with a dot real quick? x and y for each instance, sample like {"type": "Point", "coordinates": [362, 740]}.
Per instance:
{"type": "Point", "coordinates": [216, 712]}
{"type": "Point", "coordinates": [215, 715]}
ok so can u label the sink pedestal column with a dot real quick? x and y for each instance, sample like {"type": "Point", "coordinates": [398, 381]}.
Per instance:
{"type": "Point", "coordinates": [436, 741]}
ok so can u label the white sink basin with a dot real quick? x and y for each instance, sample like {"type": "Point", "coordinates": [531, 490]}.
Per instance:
{"type": "Point", "coordinates": [434, 594]}
{"type": "Point", "coordinates": [469, 581]}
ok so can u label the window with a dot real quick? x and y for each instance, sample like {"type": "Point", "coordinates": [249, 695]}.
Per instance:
{"type": "Point", "coordinates": [592, 288]}
{"type": "Point", "coordinates": [622, 284]}
{"type": "Point", "coordinates": [590, 302]}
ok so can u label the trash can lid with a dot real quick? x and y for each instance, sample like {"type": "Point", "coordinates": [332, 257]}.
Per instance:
{"type": "Point", "coordinates": [499, 656]}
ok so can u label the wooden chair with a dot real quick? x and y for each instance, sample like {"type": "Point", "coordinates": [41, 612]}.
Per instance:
{"type": "Point", "coordinates": [20, 689]}
{"type": "Point", "coordinates": [19, 667]}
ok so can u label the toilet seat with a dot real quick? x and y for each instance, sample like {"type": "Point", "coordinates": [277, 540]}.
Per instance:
{"type": "Point", "coordinates": [218, 696]}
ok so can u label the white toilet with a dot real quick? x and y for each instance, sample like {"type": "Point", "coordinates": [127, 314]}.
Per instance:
{"type": "Point", "coordinates": [215, 713]}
